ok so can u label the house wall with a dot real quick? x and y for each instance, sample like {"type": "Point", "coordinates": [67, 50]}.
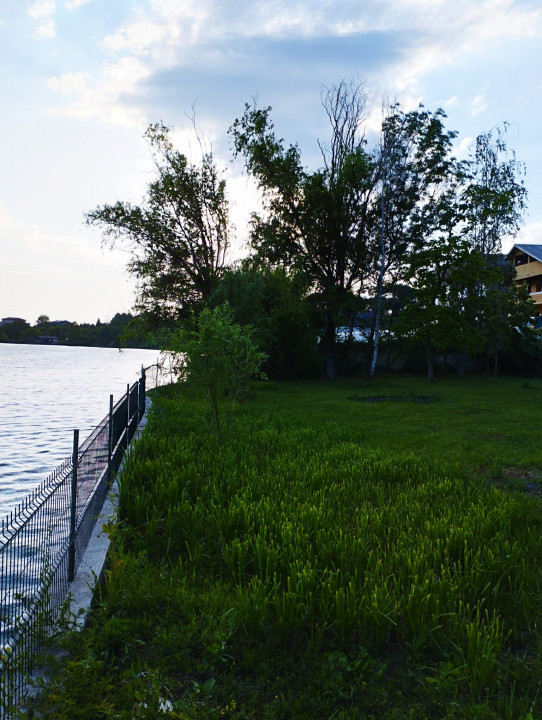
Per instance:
{"type": "Point", "coordinates": [531, 272]}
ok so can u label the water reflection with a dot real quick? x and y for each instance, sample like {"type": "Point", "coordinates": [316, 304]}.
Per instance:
{"type": "Point", "coordinates": [46, 392]}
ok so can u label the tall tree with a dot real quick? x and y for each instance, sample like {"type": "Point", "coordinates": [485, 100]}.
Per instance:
{"type": "Point", "coordinates": [428, 319]}
{"type": "Point", "coordinates": [495, 196]}
{"type": "Point", "coordinates": [493, 203]}
{"type": "Point", "coordinates": [415, 170]}
{"type": "Point", "coordinates": [463, 298]}
{"type": "Point", "coordinates": [507, 311]}
{"type": "Point", "coordinates": [316, 222]}
{"type": "Point", "coordinates": [178, 237]}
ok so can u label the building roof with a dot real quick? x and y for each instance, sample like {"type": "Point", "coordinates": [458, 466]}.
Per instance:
{"type": "Point", "coordinates": [7, 320]}
{"type": "Point", "coordinates": [535, 251]}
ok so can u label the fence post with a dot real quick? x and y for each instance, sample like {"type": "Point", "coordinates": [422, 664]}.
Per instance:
{"type": "Point", "coordinates": [142, 393]}
{"type": "Point", "coordinates": [71, 554]}
{"type": "Point", "coordinates": [127, 416]}
{"type": "Point", "coordinates": [110, 442]}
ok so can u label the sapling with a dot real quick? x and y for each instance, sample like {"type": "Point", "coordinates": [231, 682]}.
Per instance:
{"type": "Point", "coordinates": [219, 356]}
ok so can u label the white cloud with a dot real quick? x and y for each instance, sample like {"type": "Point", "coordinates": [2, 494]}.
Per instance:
{"type": "Point", "coordinates": [73, 4]}
{"type": "Point", "coordinates": [17, 239]}
{"type": "Point", "coordinates": [42, 8]}
{"type": "Point", "coordinates": [46, 28]}
{"type": "Point", "coordinates": [244, 198]}
{"type": "Point", "coordinates": [137, 38]}
{"type": "Point", "coordinates": [92, 97]}
{"type": "Point", "coordinates": [448, 34]}
{"type": "Point", "coordinates": [479, 105]}
{"type": "Point", "coordinates": [69, 83]}
{"type": "Point", "coordinates": [42, 11]}
{"type": "Point", "coordinates": [463, 148]}
{"type": "Point", "coordinates": [451, 102]}
{"type": "Point", "coordinates": [170, 34]}
{"type": "Point", "coordinates": [531, 233]}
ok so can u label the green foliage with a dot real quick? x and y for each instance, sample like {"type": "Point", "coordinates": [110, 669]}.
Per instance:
{"type": "Point", "coordinates": [461, 301]}
{"type": "Point", "coordinates": [463, 296]}
{"type": "Point", "coordinates": [405, 210]}
{"type": "Point", "coordinates": [495, 196]}
{"type": "Point", "coordinates": [274, 303]}
{"type": "Point", "coordinates": [18, 331]}
{"type": "Point", "coordinates": [219, 355]}
{"type": "Point", "coordinates": [351, 232]}
{"type": "Point", "coordinates": [43, 320]}
{"type": "Point", "coordinates": [415, 168]}
{"type": "Point", "coordinates": [179, 236]}
{"type": "Point", "coordinates": [314, 222]}
{"type": "Point", "coordinates": [124, 330]}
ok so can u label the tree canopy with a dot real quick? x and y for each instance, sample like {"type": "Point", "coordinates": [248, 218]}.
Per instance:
{"type": "Point", "coordinates": [316, 222]}
{"type": "Point", "coordinates": [399, 235]}
{"type": "Point", "coordinates": [178, 237]}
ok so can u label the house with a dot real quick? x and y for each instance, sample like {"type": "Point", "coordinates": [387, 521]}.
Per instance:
{"type": "Point", "coordinates": [527, 260]}
{"type": "Point", "coordinates": [46, 340]}
{"type": "Point", "coordinates": [11, 320]}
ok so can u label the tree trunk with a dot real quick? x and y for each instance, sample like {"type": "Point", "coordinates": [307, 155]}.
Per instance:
{"type": "Point", "coordinates": [330, 356]}
{"type": "Point", "coordinates": [496, 362]}
{"type": "Point", "coordinates": [331, 370]}
{"type": "Point", "coordinates": [462, 364]}
{"type": "Point", "coordinates": [429, 359]}
{"type": "Point", "coordinates": [376, 335]}
{"type": "Point", "coordinates": [380, 283]}
{"type": "Point", "coordinates": [347, 346]}
{"type": "Point", "coordinates": [389, 343]}
{"type": "Point", "coordinates": [370, 345]}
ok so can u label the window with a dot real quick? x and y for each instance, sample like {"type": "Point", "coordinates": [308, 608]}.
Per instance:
{"type": "Point", "coordinates": [522, 259]}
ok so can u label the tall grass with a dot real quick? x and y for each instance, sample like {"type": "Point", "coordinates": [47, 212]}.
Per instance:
{"type": "Point", "coordinates": [336, 543]}
{"type": "Point", "coordinates": [332, 557]}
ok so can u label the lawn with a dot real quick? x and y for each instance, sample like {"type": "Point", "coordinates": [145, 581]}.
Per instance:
{"type": "Point", "coordinates": [348, 550]}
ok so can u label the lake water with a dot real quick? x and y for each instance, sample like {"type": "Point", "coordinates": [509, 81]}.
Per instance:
{"type": "Point", "coordinates": [45, 393]}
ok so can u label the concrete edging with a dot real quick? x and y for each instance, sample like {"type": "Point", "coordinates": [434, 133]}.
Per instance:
{"type": "Point", "coordinates": [92, 565]}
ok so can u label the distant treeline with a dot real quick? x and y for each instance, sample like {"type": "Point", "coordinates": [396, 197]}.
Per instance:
{"type": "Point", "coordinates": [124, 330]}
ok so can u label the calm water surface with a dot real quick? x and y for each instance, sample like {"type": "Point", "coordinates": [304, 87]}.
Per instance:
{"type": "Point", "coordinates": [45, 393]}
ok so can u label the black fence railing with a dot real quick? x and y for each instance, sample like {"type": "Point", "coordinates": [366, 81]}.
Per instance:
{"type": "Point", "coordinates": [42, 541]}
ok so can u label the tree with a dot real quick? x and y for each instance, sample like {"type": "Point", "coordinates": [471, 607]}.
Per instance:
{"type": "Point", "coordinates": [507, 314]}
{"type": "Point", "coordinates": [276, 305]}
{"type": "Point", "coordinates": [463, 297]}
{"type": "Point", "coordinates": [490, 208]}
{"type": "Point", "coordinates": [415, 170]}
{"type": "Point", "coordinates": [42, 321]}
{"type": "Point", "coordinates": [495, 196]}
{"type": "Point", "coordinates": [426, 317]}
{"type": "Point", "coordinates": [315, 222]}
{"type": "Point", "coordinates": [219, 356]}
{"type": "Point", "coordinates": [179, 236]}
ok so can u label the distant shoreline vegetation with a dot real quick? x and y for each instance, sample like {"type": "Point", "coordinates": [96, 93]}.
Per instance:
{"type": "Point", "coordinates": [124, 330]}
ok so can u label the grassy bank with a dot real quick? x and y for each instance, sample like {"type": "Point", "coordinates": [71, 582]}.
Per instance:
{"type": "Point", "coordinates": [351, 550]}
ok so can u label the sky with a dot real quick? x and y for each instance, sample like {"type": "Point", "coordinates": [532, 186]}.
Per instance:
{"type": "Point", "coordinates": [82, 80]}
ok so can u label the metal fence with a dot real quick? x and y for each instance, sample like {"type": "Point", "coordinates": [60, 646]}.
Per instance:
{"type": "Point", "coordinates": [43, 540]}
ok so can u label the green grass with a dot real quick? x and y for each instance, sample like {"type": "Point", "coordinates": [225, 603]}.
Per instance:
{"type": "Point", "coordinates": [350, 550]}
